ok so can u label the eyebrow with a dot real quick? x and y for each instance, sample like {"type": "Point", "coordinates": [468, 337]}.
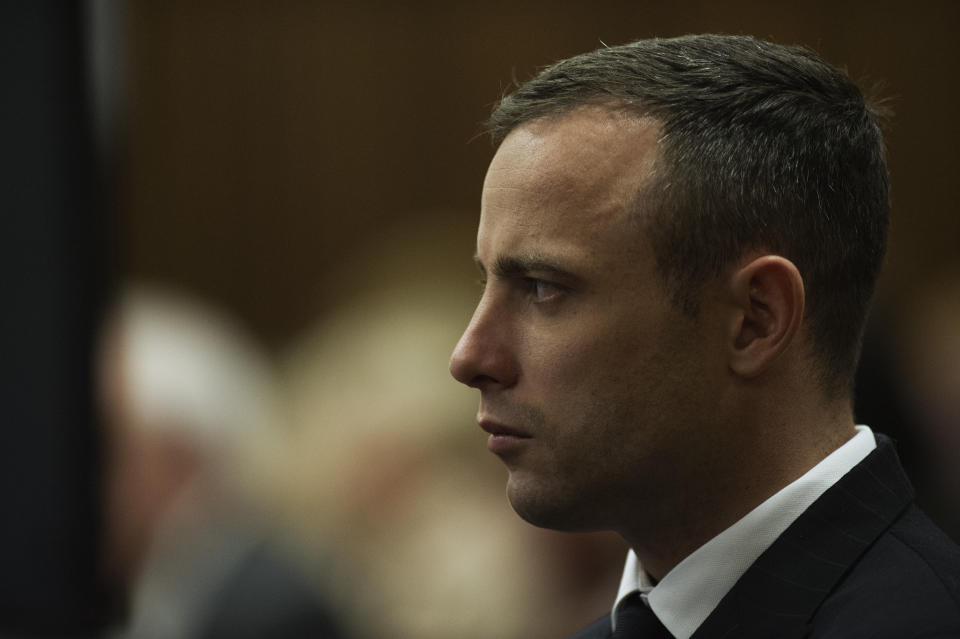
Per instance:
{"type": "Point", "coordinates": [523, 265]}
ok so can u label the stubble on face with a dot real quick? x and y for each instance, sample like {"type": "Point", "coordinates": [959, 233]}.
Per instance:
{"type": "Point", "coordinates": [600, 377]}
{"type": "Point", "coordinates": [612, 452]}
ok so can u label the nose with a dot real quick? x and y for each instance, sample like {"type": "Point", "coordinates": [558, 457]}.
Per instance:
{"type": "Point", "coordinates": [484, 358]}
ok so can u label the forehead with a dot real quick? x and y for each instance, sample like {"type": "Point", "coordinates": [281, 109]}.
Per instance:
{"type": "Point", "coordinates": [567, 181]}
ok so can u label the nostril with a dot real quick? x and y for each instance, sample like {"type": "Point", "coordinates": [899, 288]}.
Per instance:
{"type": "Point", "coordinates": [461, 367]}
{"type": "Point", "coordinates": [474, 368]}
{"type": "Point", "coordinates": [482, 381]}
{"type": "Point", "coordinates": [484, 355]}
{"type": "Point", "coordinates": [465, 361]}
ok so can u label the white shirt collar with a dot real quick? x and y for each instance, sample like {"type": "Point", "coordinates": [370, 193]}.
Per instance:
{"type": "Point", "coordinates": [687, 595]}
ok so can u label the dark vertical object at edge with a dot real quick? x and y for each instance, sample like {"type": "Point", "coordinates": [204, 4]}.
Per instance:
{"type": "Point", "coordinates": [50, 231]}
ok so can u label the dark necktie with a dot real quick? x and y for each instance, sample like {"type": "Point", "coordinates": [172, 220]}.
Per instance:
{"type": "Point", "coordinates": [635, 620]}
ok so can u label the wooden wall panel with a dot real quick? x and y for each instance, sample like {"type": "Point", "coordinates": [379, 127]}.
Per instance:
{"type": "Point", "coordinates": [268, 142]}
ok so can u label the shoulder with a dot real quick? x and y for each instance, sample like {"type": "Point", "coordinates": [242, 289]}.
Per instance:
{"type": "Point", "coordinates": [906, 585]}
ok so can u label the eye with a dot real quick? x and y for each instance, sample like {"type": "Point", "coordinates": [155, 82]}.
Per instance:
{"type": "Point", "coordinates": [543, 291]}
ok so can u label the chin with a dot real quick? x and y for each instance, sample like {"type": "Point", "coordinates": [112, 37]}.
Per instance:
{"type": "Point", "coordinates": [549, 508]}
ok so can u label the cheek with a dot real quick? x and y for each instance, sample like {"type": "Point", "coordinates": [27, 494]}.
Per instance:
{"type": "Point", "coordinates": [575, 351]}
{"type": "Point", "coordinates": [587, 384]}
{"type": "Point", "coordinates": [565, 365]}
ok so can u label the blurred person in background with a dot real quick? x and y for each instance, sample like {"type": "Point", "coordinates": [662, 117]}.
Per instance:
{"type": "Point", "coordinates": [190, 407]}
{"type": "Point", "coordinates": [679, 240]}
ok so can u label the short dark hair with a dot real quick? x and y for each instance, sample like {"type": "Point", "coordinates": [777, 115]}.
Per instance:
{"type": "Point", "coordinates": [763, 146]}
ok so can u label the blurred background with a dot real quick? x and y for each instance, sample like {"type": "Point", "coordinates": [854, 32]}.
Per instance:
{"type": "Point", "coordinates": [238, 244]}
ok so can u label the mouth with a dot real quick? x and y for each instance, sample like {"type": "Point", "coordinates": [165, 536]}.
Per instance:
{"type": "Point", "coordinates": [501, 430]}
{"type": "Point", "coordinates": [503, 439]}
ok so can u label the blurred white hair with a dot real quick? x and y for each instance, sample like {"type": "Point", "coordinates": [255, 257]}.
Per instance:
{"type": "Point", "coordinates": [191, 370]}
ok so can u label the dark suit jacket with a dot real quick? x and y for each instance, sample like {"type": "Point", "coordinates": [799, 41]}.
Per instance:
{"type": "Point", "coordinates": [863, 562]}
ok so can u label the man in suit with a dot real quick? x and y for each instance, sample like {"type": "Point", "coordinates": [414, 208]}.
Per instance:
{"type": "Point", "coordinates": [679, 240]}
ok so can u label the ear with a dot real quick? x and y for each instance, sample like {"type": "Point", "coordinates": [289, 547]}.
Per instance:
{"type": "Point", "coordinates": [768, 299]}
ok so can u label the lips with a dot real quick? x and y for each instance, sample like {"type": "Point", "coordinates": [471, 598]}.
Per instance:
{"type": "Point", "coordinates": [498, 429]}
{"type": "Point", "coordinates": [505, 441]}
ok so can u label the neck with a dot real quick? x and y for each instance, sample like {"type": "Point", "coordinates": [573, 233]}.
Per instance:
{"type": "Point", "coordinates": [736, 474]}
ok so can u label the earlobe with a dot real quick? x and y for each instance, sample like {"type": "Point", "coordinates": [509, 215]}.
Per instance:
{"type": "Point", "coordinates": [769, 298]}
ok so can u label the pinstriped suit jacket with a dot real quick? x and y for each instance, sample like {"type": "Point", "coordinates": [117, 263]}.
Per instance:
{"type": "Point", "coordinates": [863, 562]}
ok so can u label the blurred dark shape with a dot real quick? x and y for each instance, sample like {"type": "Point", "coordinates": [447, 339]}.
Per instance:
{"type": "Point", "coordinates": [908, 387]}
{"type": "Point", "coordinates": [879, 398]}
{"type": "Point", "coordinates": [51, 285]}
{"type": "Point", "coordinates": [189, 405]}
{"type": "Point", "coordinates": [928, 371]}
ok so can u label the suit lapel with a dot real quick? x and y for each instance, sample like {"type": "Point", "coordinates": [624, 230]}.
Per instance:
{"type": "Point", "coordinates": [779, 594]}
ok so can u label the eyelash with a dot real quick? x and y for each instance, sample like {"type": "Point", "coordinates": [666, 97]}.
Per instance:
{"type": "Point", "coordinates": [533, 284]}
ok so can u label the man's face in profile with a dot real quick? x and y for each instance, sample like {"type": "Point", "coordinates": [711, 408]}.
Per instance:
{"type": "Point", "coordinates": [591, 382]}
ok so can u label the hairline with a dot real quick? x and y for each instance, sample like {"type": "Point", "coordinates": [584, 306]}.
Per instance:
{"type": "Point", "coordinates": [646, 205]}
